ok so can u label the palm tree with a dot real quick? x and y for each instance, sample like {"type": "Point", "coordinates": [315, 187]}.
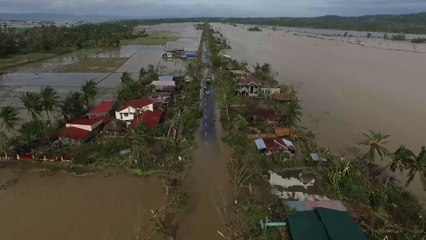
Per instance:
{"type": "Point", "coordinates": [416, 164]}
{"type": "Point", "coordinates": [33, 103]}
{"type": "Point", "coordinates": [72, 106]}
{"type": "Point", "coordinates": [49, 99]}
{"type": "Point", "coordinates": [375, 141]}
{"type": "Point", "coordinates": [398, 160]}
{"type": "Point", "coordinates": [293, 113]}
{"type": "Point", "coordinates": [9, 117]}
{"type": "Point", "coordinates": [90, 90]}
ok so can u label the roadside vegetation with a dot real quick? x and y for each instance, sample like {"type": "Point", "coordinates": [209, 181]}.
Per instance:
{"type": "Point", "coordinates": [381, 206]}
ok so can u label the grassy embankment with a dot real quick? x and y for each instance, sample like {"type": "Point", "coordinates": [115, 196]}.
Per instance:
{"type": "Point", "coordinates": [20, 59]}
{"type": "Point", "coordinates": [382, 210]}
{"type": "Point", "coordinates": [153, 38]}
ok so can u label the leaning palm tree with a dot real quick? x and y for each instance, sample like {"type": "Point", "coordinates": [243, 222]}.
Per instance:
{"type": "Point", "coordinates": [398, 161]}
{"type": "Point", "coordinates": [90, 90]}
{"type": "Point", "coordinates": [33, 103]}
{"type": "Point", "coordinates": [9, 117]}
{"type": "Point", "coordinates": [375, 142]}
{"type": "Point", "coordinates": [416, 164]}
{"type": "Point", "coordinates": [49, 99]}
{"type": "Point", "coordinates": [72, 106]}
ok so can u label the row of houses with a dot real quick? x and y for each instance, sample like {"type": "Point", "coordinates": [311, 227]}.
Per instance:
{"type": "Point", "coordinates": [144, 110]}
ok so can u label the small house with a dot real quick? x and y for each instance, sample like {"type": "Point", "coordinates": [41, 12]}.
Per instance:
{"type": "Point", "coordinates": [101, 110]}
{"type": "Point", "coordinates": [129, 110]}
{"type": "Point", "coordinates": [250, 86]}
{"type": "Point", "coordinates": [273, 145]}
{"type": "Point", "coordinates": [74, 134]}
{"type": "Point", "coordinates": [164, 86]}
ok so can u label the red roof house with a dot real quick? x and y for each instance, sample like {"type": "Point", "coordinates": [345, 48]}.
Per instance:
{"type": "Point", "coordinates": [102, 109]}
{"type": "Point", "coordinates": [87, 123]}
{"type": "Point", "coordinates": [75, 134]}
{"type": "Point", "coordinates": [129, 110]}
{"type": "Point", "coordinates": [250, 86]}
{"type": "Point", "coordinates": [265, 114]}
{"type": "Point", "coordinates": [150, 118]}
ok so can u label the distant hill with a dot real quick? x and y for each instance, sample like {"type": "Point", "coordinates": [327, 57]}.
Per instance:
{"type": "Point", "coordinates": [406, 23]}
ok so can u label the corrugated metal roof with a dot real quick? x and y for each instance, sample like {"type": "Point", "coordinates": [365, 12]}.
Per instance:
{"type": "Point", "coordinates": [260, 144]}
{"type": "Point", "coordinates": [165, 78]}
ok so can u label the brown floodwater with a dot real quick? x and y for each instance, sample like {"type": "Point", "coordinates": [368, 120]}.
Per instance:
{"type": "Point", "coordinates": [345, 89]}
{"type": "Point", "coordinates": [103, 206]}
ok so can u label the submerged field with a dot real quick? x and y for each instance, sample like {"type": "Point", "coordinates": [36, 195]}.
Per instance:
{"type": "Point", "coordinates": [345, 88]}
{"type": "Point", "coordinates": [96, 65]}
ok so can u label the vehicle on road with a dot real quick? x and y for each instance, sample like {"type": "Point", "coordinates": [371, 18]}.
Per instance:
{"type": "Point", "coordinates": [209, 77]}
{"type": "Point", "coordinates": [207, 92]}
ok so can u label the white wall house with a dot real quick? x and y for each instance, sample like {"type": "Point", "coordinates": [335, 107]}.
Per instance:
{"type": "Point", "coordinates": [250, 86]}
{"type": "Point", "coordinates": [129, 110]}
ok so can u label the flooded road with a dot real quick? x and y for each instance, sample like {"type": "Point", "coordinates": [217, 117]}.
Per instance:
{"type": "Point", "coordinates": [102, 206]}
{"type": "Point", "coordinates": [345, 89]}
{"type": "Point", "coordinates": [208, 183]}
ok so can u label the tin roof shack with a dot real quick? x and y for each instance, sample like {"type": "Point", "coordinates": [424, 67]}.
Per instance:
{"type": "Point", "coordinates": [103, 109]}
{"type": "Point", "coordinates": [274, 145]}
{"type": "Point", "coordinates": [162, 100]}
{"type": "Point", "coordinates": [268, 115]}
{"type": "Point", "coordinates": [164, 86]}
{"type": "Point", "coordinates": [284, 97]}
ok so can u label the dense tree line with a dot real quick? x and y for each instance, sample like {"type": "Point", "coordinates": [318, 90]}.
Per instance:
{"type": "Point", "coordinates": [406, 23]}
{"type": "Point", "coordinates": [63, 39]}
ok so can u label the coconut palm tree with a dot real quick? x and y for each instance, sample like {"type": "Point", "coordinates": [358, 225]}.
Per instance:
{"type": "Point", "coordinates": [293, 113]}
{"type": "Point", "coordinates": [398, 160]}
{"type": "Point", "coordinates": [375, 141]}
{"type": "Point", "coordinates": [49, 99]}
{"type": "Point", "coordinates": [9, 117]}
{"type": "Point", "coordinates": [90, 90]}
{"type": "Point", "coordinates": [416, 164]}
{"type": "Point", "coordinates": [72, 106]}
{"type": "Point", "coordinates": [33, 103]}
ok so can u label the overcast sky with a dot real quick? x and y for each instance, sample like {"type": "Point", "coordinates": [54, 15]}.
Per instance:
{"type": "Point", "coordinates": [217, 8]}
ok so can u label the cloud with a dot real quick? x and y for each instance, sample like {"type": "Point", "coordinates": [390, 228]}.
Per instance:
{"type": "Point", "coordinates": [208, 8]}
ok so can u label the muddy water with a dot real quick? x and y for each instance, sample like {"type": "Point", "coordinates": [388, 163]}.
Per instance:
{"type": "Point", "coordinates": [345, 89]}
{"type": "Point", "coordinates": [209, 189]}
{"type": "Point", "coordinates": [69, 207]}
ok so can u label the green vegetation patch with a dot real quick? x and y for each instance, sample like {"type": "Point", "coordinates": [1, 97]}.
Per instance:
{"type": "Point", "coordinates": [95, 65]}
{"type": "Point", "coordinates": [153, 38]}
{"type": "Point", "coordinates": [20, 59]}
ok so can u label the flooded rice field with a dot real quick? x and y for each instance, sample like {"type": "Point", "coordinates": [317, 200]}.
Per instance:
{"type": "Point", "coordinates": [345, 89]}
{"type": "Point", "coordinates": [107, 205]}
{"type": "Point", "coordinates": [62, 72]}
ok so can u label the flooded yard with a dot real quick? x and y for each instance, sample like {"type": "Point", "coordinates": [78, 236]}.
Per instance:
{"type": "Point", "coordinates": [345, 89]}
{"type": "Point", "coordinates": [102, 206]}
